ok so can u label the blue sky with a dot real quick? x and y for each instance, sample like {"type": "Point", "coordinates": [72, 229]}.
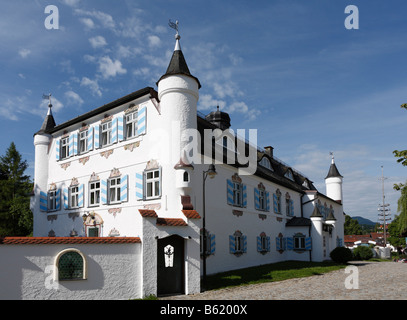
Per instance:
{"type": "Point", "coordinates": [288, 68]}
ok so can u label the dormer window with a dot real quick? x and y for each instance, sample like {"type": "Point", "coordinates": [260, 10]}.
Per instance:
{"type": "Point", "coordinates": [305, 184]}
{"type": "Point", "coordinates": [265, 162]}
{"type": "Point", "coordinates": [289, 175]}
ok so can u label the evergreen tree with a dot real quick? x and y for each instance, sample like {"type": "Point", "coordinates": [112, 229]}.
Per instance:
{"type": "Point", "coordinates": [15, 214]}
{"type": "Point", "coordinates": [351, 226]}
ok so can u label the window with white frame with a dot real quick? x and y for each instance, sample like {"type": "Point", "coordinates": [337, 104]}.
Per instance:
{"type": "Point", "coordinates": [94, 193]}
{"type": "Point", "coordinates": [209, 240]}
{"type": "Point", "coordinates": [263, 243]}
{"type": "Point", "coordinates": [73, 197]}
{"type": "Point", "coordinates": [262, 199]}
{"type": "Point", "coordinates": [52, 200]}
{"type": "Point", "coordinates": [299, 242]}
{"type": "Point", "coordinates": [64, 148]}
{"type": "Point", "coordinates": [237, 243]}
{"type": "Point", "coordinates": [131, 124]}
{"type": "Point", "coordinates": [289, 205]}
{"type": "Point", "coordinates": [237, 193]}
{"type": "Point", "coordinates": [153, 183]}
{"type": "Point", "coordinates": [277, 201]}
{"type": "Point", "coordinates": [106, 134]}
{"type": "Point", "coordinates": [83, 141]}
{"type": "Point", "coordinates": [114, 190]}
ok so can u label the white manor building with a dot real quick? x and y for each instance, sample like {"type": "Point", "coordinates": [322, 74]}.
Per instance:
{"type": "Point", "coordinates": [118, 203]}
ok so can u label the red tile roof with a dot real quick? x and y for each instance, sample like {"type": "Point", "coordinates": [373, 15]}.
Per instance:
{"type": "Point", "coordinates": [171, 222]}
{"type": "Point", "coordinates": [69, 240]}
{"type": "Point", "coordinates": [191, 214]}
{"type": "Point", "coordinates": [148, 213]}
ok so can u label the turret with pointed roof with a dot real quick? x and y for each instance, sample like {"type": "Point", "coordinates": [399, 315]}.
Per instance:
{"type": "Point", "coordinates": [178, 64]}
{"type": "Point", "coordinates": [333, 182]}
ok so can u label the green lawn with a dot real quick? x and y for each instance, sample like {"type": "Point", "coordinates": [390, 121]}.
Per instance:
{"type": "Point", "coordinates": [269, 273]}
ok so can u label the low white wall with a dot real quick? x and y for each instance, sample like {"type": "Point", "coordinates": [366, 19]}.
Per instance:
{"type": "Point", "coordinates": [113, 272]}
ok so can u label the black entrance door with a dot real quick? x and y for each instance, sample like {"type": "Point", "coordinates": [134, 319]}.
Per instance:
{"type": "Point", "coordinates": [170, 265]}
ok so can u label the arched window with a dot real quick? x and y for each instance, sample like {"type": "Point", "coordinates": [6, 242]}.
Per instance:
{"type": "Point", "coordinates": [186, 176]}
{"type": "Point", "coordinates": [71, 265]}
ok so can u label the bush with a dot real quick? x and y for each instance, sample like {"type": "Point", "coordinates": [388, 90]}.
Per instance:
{"type": "Point", "coordinates": [341, 255]}
{"type": "Point", "coordinates": [362, 253]}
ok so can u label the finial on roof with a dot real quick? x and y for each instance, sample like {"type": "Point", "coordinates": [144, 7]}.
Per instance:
{"type": "Point", "coordinates": [174, 25]}
{"type": "Point", "coordinates": [48, 97]}
{"type": "Point", "coordinates": [332, 155]}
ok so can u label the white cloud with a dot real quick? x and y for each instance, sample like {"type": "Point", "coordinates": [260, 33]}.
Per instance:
{"type": "Point", "coordinates": [97, 42]}
{"type": "Point", "coordinates": [106, 20]}
{"type": "Point", "coordinates": [109, 68]}
{"type": "Point", "coordinates": [92, 85]}
{"type": "Point", "coordinates": [88, 22]}
{"type": "Point", "coordinates": [70, 3]}
{"type": "Point", "coordinates": [154, 41]}
{"type": "Point", "coordinates": [24, 53]}
{"type": "Point", "coordinates": [73, 98]}
{"type": "Point", "coordinates": [56, 107]}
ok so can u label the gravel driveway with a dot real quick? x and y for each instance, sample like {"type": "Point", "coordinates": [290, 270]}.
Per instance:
{"type": "Point", "coordinates": [374, 281]}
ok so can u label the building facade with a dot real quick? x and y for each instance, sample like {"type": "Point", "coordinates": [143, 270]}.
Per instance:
{"type": "Point", "coordinates": [128, 170]}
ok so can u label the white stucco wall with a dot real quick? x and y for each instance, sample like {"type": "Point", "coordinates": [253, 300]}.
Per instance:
{"type": "Point", "coordinates": [113, 272]}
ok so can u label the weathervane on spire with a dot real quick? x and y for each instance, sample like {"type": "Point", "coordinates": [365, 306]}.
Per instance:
{"type": "Point", "coordinates": [47, 97]}
{"type": "Point", "coordinates": [174, 25]}
{"type": "Point", "coordinates": [332, 155]}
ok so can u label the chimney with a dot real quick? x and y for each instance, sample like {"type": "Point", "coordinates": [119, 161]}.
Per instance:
{"type": "Point", "coordinates": [269, 151]}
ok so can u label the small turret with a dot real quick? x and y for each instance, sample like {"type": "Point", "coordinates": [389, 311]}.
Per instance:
{"type": "Point", "coordinates": [42, 140]}
{"type": "Point", "coordinates": [333, 182]}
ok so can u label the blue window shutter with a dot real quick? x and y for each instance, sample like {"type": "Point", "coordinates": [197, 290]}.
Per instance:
{"type": "Point", "coordinates": [58, 199]}
{"type": "Point", "coordinates": [57, 149]}
{"type": "Point", "coordinates": [290, 243]}
{"type": "Point", "coordinates": [244, 239]}
{"type": "Point", "coordinates": [139, 185]}
{"type": "Point", "coordinates": [213, 244]}
{"type": "Point", "coordinates": [232, 244]}
{"type": "Point", "coordinates": [142, 120]}
{"type": "Point", "coordinates": [244, 196]}
{"type": "Point", "coordinates": [80, 196]}
{"type": "Point", "coordinates": [124, 183]}
{"type": "Point", "coordinates": [278, 243]}
{"type": "Point", "coordinates": [258, 243]}
{"type": "Point", "coordinates": [90, 139]}
{"type": "Point", "coordinates": [275, 205]}
{"type": "Point", "coordinates": [308, 243]}
{"type": "Point", "coordinates": [71, 145]}
{"type": "Point", "coordinates": [268, 243]}
{"type": "Point", "coordinates": [75, 144]}
{"type": "Point", "coordinates": [96, 139]}
{"type": "Point", "coordinates": [103, 191]}
{"type": "Point", "coordinates": [43, 201]}
{"type": "Point", "coordinates": [230, 192]}
{"type": "Point", "coordinates": [267, 201]}
{"type": "Point", "coordinates": [66, 203]}
{"type": "Point", "coordinates": [120, 128]}
{"type": "Point", "coordinates": [256, 199]}
{"type": "Point", "coordinates": [114, 130]}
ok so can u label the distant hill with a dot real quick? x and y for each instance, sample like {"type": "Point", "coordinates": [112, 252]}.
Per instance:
{"type": "Point", "coordinates": [364, 221]}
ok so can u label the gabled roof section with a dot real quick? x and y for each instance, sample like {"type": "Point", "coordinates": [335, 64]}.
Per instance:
{"type": "Point", "coordinates": [135, 95]}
